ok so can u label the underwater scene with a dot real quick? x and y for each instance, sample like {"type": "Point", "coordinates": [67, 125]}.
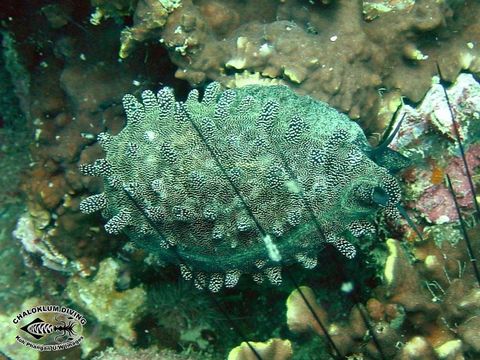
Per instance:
{"type": "Point", "coordinates": [240, 179]}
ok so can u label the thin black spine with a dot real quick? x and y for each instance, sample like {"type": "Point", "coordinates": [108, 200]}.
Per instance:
{"type": "Point", "coordinates": [464, 158]}
{"type": "Point", "coordinates": [473, 259]}
{"type": "Point", "coordinates": [389, 138]}
{"type": "Point", "coordinates": [368, 325]}
{"type": "Point", "coordinates": [456, 132]}
{"type": "Point", "coordinates": [261, 230]}
{"type": "Point", "coordinates": [182, 261]}
{"type": "Point", "coordinates": [337, 354]}
{"type": "Point", "coordinates": [409, 221]}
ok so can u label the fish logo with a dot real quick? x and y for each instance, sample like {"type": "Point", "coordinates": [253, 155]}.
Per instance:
{"type": "Point", "coordinates": [38, 328]}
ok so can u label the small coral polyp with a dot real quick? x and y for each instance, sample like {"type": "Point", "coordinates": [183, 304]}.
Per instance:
{"type": "Point", "coordinates": [242, 175]}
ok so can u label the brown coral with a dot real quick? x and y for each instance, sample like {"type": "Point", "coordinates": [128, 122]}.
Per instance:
{"type": "Point", "coordinates": [346, 58]}
{"type": "Point", "coordinates": [416, 315]}
{"type": "Point", "coordinates": [427, 306]}
{"type": "Point", "coordinates": [273, 349]}
{"type": "Point", "coordinates": [76, 85]}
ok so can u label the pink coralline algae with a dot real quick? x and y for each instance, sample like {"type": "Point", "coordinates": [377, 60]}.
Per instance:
{"type": "Point", "coordinates": [426, 137]}
{"type": "Point", "coordinates": [436, 203]}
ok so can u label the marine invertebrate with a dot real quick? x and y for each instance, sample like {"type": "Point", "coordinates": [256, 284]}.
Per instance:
{"type": "Point", "coordinates": [65, 120]}
{"type": "Point", "coordinates": [240, 180]}
{"type": "Point", "coordinates": [427, 304]}
{"type": "Point", "coordinates": [59, 125]}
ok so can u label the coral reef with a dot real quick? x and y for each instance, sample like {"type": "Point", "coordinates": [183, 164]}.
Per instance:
{"type": "Point", "coordinates": [115, 310]}
{"type": "Point", "coordinates": [116, 9]}
{"type": "Point", "coordinates": [63, 82]}
{"type": "Point", "coordinates": [71, 93]}
{"type": "Point", "coordinates": [427, 305]}
{"type": "Point", "coordinates": [346, 57]}
{"type": "Point", "coordinates": [431, 126]}
{"type": "Point", "coordinates": [149, 17]}
{"type": "Point", "coordinates": [274, 349]}
{"type": "Point", "coordinates": [425, 310]}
